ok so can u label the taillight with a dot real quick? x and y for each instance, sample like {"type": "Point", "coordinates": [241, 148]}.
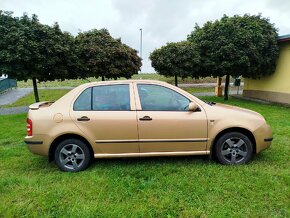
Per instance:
{"type": "Point", "coordinates": [29, 127]}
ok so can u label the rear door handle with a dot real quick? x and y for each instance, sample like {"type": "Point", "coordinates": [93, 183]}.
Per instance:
{"type": "Point", "coordinates": [145, 118]}
{"type": "Point", "coordinates": [83, 118]}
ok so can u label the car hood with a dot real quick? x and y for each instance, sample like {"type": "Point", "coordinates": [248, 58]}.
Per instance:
{"type": "Point", "coordinates": [237, 109]}
{"type": "Point", "coordinates": [233, 111]}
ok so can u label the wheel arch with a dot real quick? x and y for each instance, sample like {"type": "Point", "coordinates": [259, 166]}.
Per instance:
{"type": "Point", "coordinates": [63, 137]}
{"type": "Point", "coordinates": [242, 130]}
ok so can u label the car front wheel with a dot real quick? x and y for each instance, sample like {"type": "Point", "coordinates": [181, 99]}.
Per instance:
{"type": "Point", "coordinates": [234, 148]}
{"type": "Point", "coordinates": [72, 155]}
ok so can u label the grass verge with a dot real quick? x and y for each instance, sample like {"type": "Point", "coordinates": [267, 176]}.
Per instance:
{"type": "Point", "coordinates": [147, 187]}
{"type": "Point", "coordinates": [151, 76]}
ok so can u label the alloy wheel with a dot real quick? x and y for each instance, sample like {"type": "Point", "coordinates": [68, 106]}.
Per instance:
{"type": "Point", "coordinates": [71, 156]}
{"type": "Point", "coordinates": [234, 150]}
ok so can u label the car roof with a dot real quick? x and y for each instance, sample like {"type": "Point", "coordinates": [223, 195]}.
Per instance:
{"type": "Point", "coordinates": [127, 81]}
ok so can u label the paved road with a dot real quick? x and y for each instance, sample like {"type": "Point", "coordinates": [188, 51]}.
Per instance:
{"type": "Point", "coordinates": [13, 95]}
{"type": "Point", "coordinates": [198, 94]}
{"type": "Point", "coordinates": [186, 85]}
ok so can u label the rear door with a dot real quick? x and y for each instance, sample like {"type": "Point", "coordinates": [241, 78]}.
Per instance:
{"type": "Point", "coordinates": [107, 115]}
{"type": "Point", "coordinates": [165, 124]}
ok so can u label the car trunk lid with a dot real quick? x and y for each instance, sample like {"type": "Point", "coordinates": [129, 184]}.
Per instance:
{"type": "Point", "coordinates": [38, 105]}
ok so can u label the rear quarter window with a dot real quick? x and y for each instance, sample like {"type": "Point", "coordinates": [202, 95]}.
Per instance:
{"type": "Point", "coordinates": [84, 101]}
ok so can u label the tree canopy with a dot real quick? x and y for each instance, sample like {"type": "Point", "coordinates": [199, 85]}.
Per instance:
{"type": "Point", "coordinates": [102, 55]}
{"type": "Point", "coordinates": [178, 59]}
{"type": "Point", "coordinates": [239, 45]}
{"type": "Point", "coordinates": [31, 50]}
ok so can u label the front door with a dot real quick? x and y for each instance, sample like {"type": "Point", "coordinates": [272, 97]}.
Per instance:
{"type": "Point", "coordinates": [106, 114]}
{"type": "Point", "coordinates": [165, 124]}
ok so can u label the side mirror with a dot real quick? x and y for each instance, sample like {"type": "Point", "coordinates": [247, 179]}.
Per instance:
{"type": "Point", "coordinates": [192, 106]}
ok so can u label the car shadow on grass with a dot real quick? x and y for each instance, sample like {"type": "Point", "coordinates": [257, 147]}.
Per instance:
{"type": "Point", "coordinates": [131, 161]}
{"type": "Point", "coordinates": [41, 163]}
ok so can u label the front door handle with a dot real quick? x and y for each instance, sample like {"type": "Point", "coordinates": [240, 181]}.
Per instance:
{"type": "Point", "coordinates": [83, 118]}
{"type": "Point", "coordinates": [145, 118]}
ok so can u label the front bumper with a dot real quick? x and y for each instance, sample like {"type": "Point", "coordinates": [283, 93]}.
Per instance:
{"type": "Point", "coordinates": [264, 137]}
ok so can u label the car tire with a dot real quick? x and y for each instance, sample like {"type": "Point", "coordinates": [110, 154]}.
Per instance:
{"type": "Point", "coordinates": [233, 148]}
{"type": "Point", "coordinates": [72, 155]}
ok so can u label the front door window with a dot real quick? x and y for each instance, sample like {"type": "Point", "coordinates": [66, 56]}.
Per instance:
{"type": "Point", "coordinates": [159, 98]}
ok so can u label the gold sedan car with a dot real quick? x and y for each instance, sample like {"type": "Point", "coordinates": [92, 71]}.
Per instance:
{"type": "Point", "coordinates": [141, 118]}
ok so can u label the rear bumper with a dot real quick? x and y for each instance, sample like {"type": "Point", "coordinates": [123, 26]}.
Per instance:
{"type": "Point", "coordinates": [33, 142]}
{"type": "Point", "coordinates": [264, 137]}
{"type": "Point", "coordinates": [37, 144]}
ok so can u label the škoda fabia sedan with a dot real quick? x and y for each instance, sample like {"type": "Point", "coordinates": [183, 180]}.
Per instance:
{"type": "Point", "coordinates": [141, 118]}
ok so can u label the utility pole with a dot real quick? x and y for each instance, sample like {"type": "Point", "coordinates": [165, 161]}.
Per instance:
{"type": "Point", "coordinates": [141, 47]}
{"type": "Point", "coordinates": [140, 42]}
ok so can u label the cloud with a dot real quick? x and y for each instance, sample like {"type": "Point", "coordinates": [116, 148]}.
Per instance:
{"type": "Point", "coordinates": [162, 21]}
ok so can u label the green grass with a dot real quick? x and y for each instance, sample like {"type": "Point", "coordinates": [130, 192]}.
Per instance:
{"type": "Point", "coordinates": [147, 187]}
{"type": "Point", "coordinates": [152, 76]}
{"type": "Point", "coordinates": [198, 89]}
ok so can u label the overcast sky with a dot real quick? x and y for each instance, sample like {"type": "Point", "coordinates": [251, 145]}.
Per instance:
{"type": "Point", "coordinates": [162, 21]}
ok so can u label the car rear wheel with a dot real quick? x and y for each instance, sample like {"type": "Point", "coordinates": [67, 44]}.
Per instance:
{"type": "Point", "coordinates": [72, 155]}
{"type": "Point", "coordinates": [234, 148]}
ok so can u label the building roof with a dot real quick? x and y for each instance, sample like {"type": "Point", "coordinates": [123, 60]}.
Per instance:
{"type": "Point", "coordinates": [284, 38]}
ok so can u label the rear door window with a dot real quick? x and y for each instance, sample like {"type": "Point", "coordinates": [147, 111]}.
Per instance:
{"type": "Point", "coordinates": [104, 98]}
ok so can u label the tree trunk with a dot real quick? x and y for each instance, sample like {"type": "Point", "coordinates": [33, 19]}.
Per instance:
{"type": "Point", "coordinates": [103, 78]}
{"type": "Point", "coordinates": [226, 94]}
{"type": "Point", "coordinates": [35, 89]}
{"type": "Point", "coordinates": [175, 79]}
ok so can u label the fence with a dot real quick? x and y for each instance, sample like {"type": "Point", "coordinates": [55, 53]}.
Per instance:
{"type": "Point", "coordinates": [7, 84]}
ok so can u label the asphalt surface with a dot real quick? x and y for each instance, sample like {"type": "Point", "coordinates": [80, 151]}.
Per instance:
{"type": "Point", "coordinates": [13, 95]}
{"type": "Point", "coordinates": [186, 85]}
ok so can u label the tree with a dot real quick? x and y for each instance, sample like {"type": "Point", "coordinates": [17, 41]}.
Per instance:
{"type": "Point", "coordinates": [126, 61]}
{"type": "Point", "coordinates": [31, 50]}
{"type": "Point", "coordinates": [102, 55]}
{"type": "Point", "coordinates": [178, 59]}
{"type": "Point", "coordinates": [239, 45]}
